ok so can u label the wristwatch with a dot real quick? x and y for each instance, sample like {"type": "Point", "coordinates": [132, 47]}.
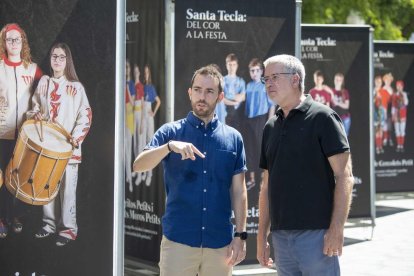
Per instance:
{"type": "Point", "coordinates": [241, 235]}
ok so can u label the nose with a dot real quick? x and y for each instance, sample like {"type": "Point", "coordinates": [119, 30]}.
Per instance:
{"type": "Point", "coordinates": [203, 95]}
{"type": "Point", "coordinates": [268, 84]}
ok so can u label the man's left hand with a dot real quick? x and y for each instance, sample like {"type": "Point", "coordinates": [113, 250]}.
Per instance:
{"type": "Point", "coordinates": [236, 251]}
{"type": "Point", "coordinates": [333, 241]}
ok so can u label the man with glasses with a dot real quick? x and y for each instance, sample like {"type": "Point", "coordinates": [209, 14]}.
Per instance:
{"type": "Point", "coordinates": [17, 75]}
{"type": "Point", "coordinates": [204, 165]}
{"type": "Point", "coordinates": [307, 185]}
{"type": "Point", "coordinates": [259, 108]}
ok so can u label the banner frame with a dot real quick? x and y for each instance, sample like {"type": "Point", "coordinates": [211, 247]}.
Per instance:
{"type": "Point", "coordinates": [298, 27]}
{"type": "Point", "coordinates": [371, 128]}
{"type": "Point", "coordinates": [359, 220]}
{"type": "Point", "coordinates": [170, 58]}
{"type": "Point", "coordinates": [119, 178]}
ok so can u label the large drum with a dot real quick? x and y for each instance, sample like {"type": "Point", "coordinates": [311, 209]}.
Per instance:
{"type": "Point", "coordinates": [38, 163]}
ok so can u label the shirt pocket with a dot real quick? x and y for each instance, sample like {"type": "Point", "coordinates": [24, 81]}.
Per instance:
{"type": "Point", "coordinates": [225, 165]}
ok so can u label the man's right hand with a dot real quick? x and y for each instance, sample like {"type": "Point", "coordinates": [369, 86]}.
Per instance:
{"type": "Point", "coordinates": [263, 254]}
{"type": "Point", "coordinates": [187, 150]}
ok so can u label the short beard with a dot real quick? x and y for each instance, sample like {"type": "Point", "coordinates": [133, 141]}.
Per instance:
{"type": "Point", "coordinates": [203, 114]}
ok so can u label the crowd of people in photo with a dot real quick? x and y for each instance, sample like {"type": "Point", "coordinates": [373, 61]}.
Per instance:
{"type": "Point", "coordinates": [142, 104]}
{"type": "Point", "coordinates": [246, 108]}
{"type": "Point", "coordinates": [390, 113]}
{"type": "Point", "coordinates": [337, 97]}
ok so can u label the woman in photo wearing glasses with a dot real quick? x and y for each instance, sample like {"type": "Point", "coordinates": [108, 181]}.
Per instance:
{"type": "Point", "coordinates": [17, 75]}
{"type": "Point", "coordinates": [62, 99]}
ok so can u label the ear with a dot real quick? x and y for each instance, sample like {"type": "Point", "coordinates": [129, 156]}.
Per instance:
{"type": "Point", "coordinates": [295, 80]}
{"type": "Point", "coordinates": [189, 92]}
{"type": "Point", "coordinates": [220, 96]}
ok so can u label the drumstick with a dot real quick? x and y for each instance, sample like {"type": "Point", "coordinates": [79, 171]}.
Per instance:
{"type": "Point", "coordinates": [41, 131]}
{"type": "Point", "coordinates": [56, 122]}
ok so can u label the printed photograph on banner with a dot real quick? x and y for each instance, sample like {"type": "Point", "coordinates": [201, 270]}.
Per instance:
{"type": "Point", "coordinates": [246, 107]}
{"type": "Point", "coordinates": [336, 59]}
{"type": "Point", "coordinates": [390, 113]}
{"type": "Point", "coordinates": [393, 116]}
{"type": "Point", "coordinates": [335, 96]}
{"type": "Point", "coordinates": [141, 106]}
{"type": "Point", "coordinates": [145, 108]}
{"type": "Point", "coordinates": [52, 132]}
{"type": "Point", "coordinates": [43, 127]}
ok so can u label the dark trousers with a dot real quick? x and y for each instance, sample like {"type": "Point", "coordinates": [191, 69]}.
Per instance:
{"type": "Point", "coordinates": [10, 206]}
{"type": "Point", "coordinates": [253, 139]}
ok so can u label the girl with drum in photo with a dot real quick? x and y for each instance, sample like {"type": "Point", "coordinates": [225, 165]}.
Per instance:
{"type": "Point", "coordinates": [61, 99]}
{"type": "Point", "coordinates": [17, 75]}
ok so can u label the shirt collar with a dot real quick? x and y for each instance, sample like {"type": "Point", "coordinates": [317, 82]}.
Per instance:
{"type": "Point", "coordinates": [59, 80]}
{"type": "Point", "coordinates": [303, 106]}
{"type": "Point", "coordinates": [198, 123]}
{"type": "Point", "coordinates": [11, 63]}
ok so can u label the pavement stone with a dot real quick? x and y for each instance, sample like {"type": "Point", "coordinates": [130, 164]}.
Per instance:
{"type": "Point", "coordinates": [384, 250]}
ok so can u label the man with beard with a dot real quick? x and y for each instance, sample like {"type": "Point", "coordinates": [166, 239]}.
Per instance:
{"type": "Point", "coordinates": [204, 164]}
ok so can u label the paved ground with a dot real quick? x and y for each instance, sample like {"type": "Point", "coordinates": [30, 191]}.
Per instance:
{"type": "Point", "coordinates": [390, 251]}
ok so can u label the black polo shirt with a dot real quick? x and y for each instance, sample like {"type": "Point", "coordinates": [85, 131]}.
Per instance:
{"type": "Point", "coordinates": [295, 151]}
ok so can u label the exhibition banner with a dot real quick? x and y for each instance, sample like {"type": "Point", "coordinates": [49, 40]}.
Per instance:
{"type": "Point", "coordinates": [393, 116]}
{"type": "Point", "coordinates": [57, 199]}
{"type": "Point", "coordinates": [144, 113]}
{"type": "Point", "coordinates": [236, 36]}
{"type": "Point", "coordinates": [337, 63]}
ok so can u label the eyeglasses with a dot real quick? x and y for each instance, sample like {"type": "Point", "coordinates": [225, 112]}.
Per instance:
{"type": "Point", "coordinates": [273, 78]}
{"type": "Point", "coordinates": [16, 40]}
{"type": "Point", "coordinates": [60, 58]}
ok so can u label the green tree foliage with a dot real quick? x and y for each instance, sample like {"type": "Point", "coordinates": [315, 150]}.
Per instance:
{"type": "Point", "coordinates": [391, 19]}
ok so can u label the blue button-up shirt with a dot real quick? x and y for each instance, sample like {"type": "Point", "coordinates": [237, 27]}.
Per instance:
{"type": "Point", "coordinates": [198, 208]}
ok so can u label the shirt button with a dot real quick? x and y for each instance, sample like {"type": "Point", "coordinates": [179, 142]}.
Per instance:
{"type": "Point", "coordinates": [205, 134]}
{"type": "Point", "coordinates": [204, 153]}
{"type": "Point", "coordinates": [204, 209]}
{"type": "Point", "coordinates": [205, 171]}
{"type": "Point", "coordinates": [202, 124]}
{"type": "Point", "coordinates": [196, 126]}
{"type": "Point", "coordinates": [205, 190]}
{"type": "Point", "coordinates": [202, 228]}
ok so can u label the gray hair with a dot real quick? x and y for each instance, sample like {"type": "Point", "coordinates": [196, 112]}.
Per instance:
{"type": "Point", "coordinates": [292, 65]}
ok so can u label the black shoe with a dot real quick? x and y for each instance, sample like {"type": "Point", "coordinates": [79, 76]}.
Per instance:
{"type": "Point", "coordinates": [42, 233]}
{"type": "Point", "coordinates": [62, 241]}
{"type": "Point", "coordinates": [17, 226]}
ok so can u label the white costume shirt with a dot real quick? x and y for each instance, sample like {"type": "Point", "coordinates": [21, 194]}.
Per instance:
{"type": "Point", "coordinates": [15, 92]}
{"type": "Point", "coordinates": [65, 102]}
